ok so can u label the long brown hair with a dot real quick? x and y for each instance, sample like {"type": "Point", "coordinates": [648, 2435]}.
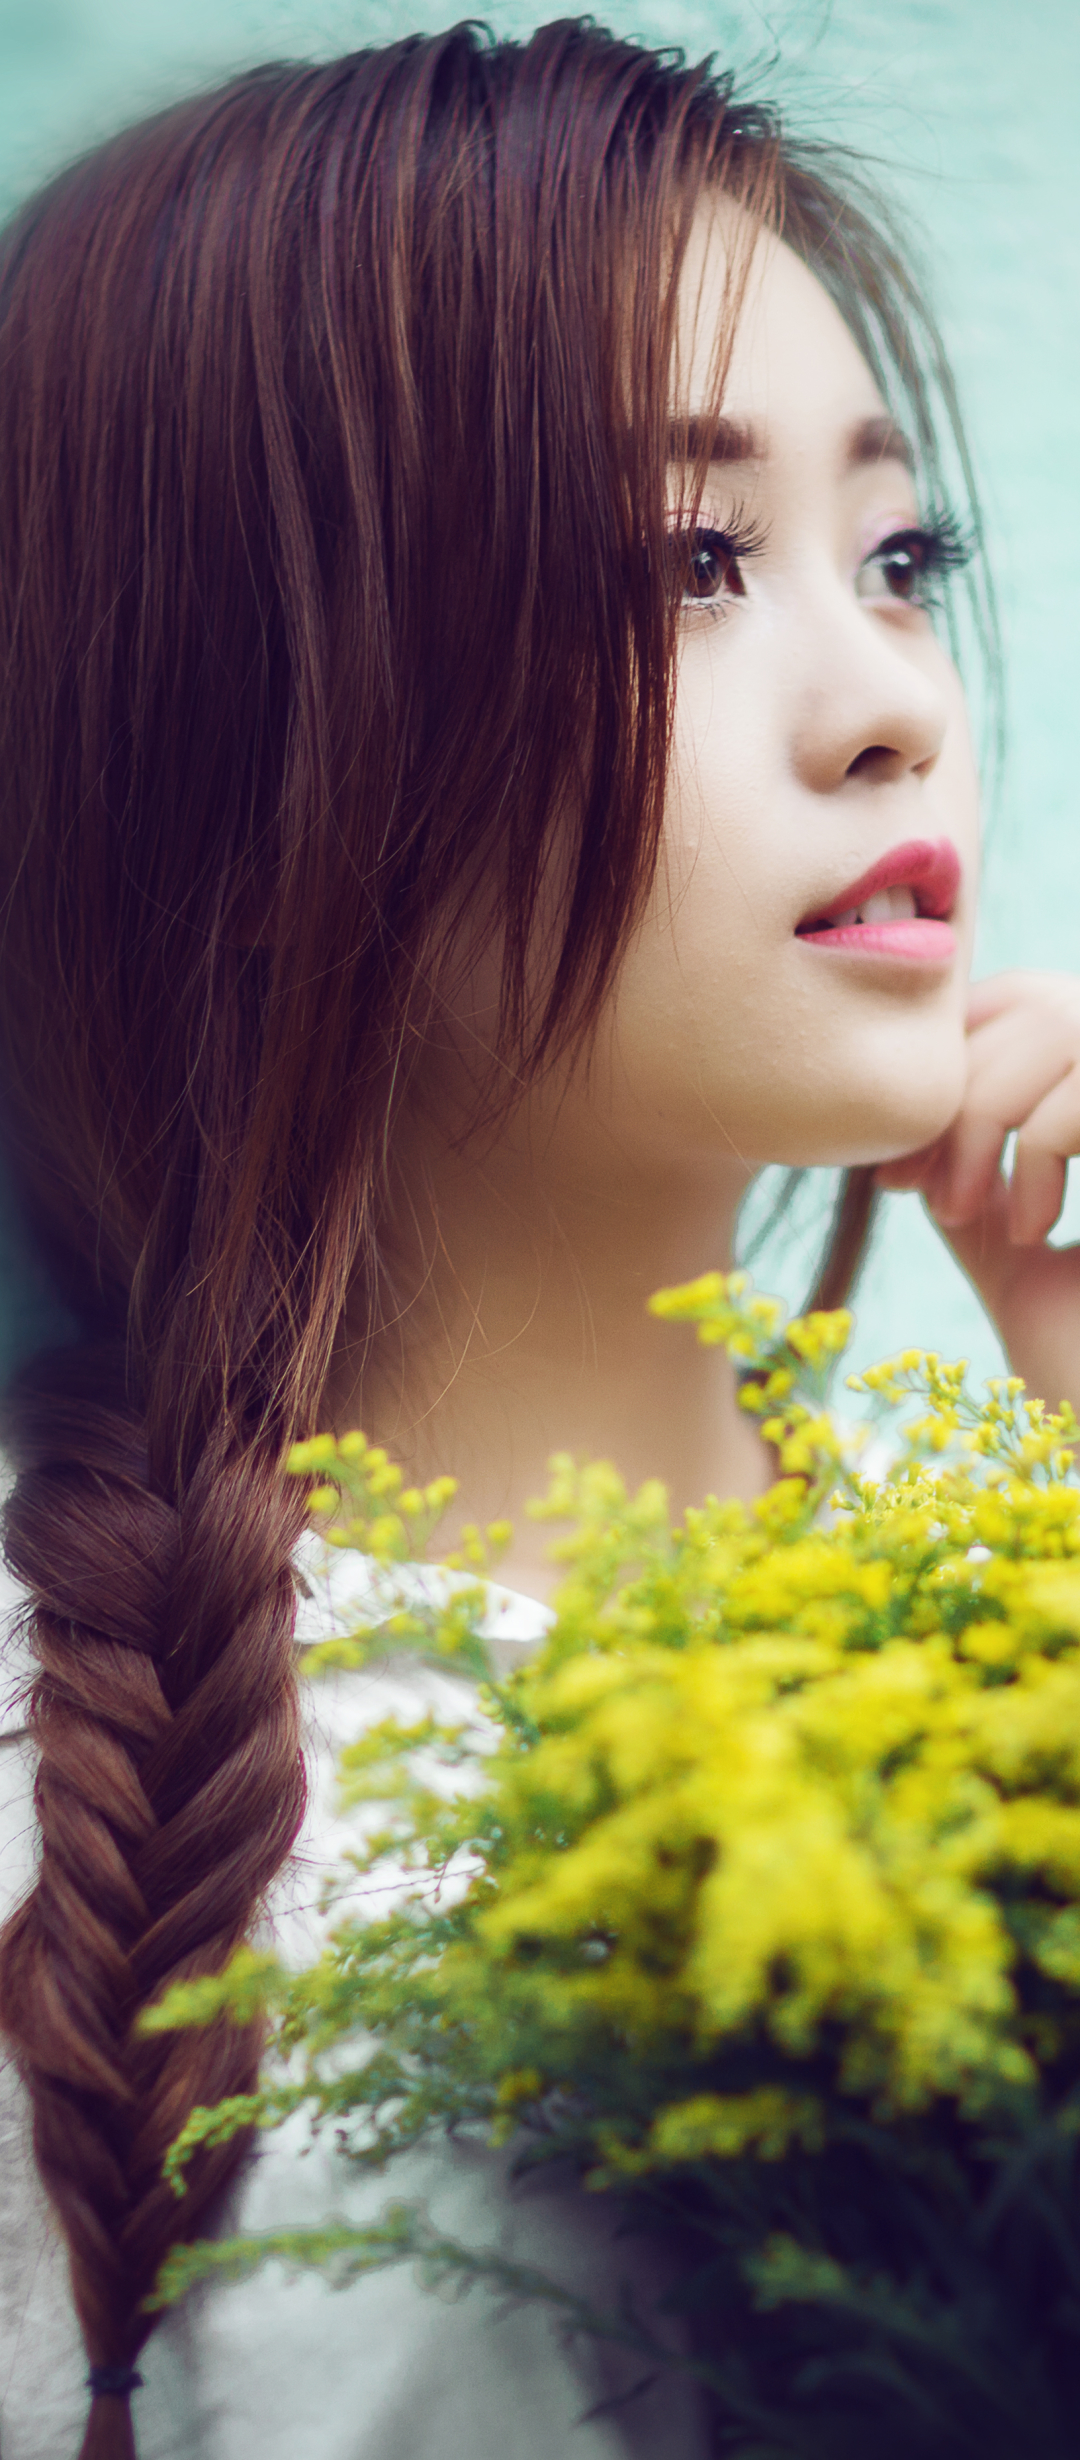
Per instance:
{"type": "Point", "coordinates": [332, 418]}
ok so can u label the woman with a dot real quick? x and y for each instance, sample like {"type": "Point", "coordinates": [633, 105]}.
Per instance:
{"type": "Point", "coordinates": [401, 978]}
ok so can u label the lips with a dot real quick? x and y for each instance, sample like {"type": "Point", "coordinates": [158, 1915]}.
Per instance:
{"type": "Point", "coordinates": [900, 908]}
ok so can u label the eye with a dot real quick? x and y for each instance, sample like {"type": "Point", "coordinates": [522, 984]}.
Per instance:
{"type": "Point", "coordinates": [906, 566]}
{"type": "Point", "coordinates": [710, 568]}
{"type": "Point", "coordinates": [705, 564]}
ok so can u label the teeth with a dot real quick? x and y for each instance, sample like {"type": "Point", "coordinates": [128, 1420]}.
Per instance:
{"type": "Point", "coordinates": [886, 905]}
{"type": "Point", "coordinates": [889, 905]}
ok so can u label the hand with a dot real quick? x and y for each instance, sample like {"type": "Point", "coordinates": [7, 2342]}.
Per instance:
{"type": "Point", "coordinates": [1023, 1073]}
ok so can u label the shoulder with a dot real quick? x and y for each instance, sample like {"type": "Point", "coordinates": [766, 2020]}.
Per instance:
{"type": "Point", "coordinates": [336, 1591]}
{"type": "Point", "coordinates": [340, 1586]}
{"type": "Point", "coordinates": [340, 1591]}
{"type": "Point", "coordinates": [18, 1827]}
{"type": "Point", "coordinates": [384, 2369]}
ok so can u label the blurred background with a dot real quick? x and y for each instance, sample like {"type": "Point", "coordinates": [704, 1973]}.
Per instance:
{"type": "Point", "coordinates": [970, 117]}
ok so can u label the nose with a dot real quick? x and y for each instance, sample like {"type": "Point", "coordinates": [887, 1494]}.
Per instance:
{"type": "Point", "coordinates": [868, 709]}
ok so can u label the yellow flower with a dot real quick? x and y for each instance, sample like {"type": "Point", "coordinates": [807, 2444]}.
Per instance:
{"type": "Point", "coordinates": [790, 1782]}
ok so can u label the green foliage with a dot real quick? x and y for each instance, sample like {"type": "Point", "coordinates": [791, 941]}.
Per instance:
{"type": "Point", "coordinates": [756, 1893]}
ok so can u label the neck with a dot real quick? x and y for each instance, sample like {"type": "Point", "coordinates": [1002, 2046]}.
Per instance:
{"type": "Point", "coordinates": [520, 1329]}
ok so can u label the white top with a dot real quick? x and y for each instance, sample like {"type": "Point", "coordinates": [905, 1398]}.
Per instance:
{"type": "Point", "coordinates": [278, 2368]}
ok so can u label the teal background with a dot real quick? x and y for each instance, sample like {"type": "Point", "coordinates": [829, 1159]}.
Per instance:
{"type": "Point", "coordinates": [969, 109]}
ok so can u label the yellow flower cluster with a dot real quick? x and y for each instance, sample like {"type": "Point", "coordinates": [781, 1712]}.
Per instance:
{"type": "Point", "coordinates": [782, 1821]}
{"type": "Point", "coordinates": [388, 1522]}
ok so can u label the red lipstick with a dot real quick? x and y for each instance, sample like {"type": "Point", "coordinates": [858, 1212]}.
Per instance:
{"type": "Point", "coordinates": [898, 909]}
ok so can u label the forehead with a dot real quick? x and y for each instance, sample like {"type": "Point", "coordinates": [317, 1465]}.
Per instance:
{"type": "Point", "coordinates": [794, 374]}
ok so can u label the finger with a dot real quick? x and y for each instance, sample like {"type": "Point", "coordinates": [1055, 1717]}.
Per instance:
{"type": "Point", "coordinates": [1022, 1053]}
{"type": "Point", "coordinates": [968, 1167]}
{"type": "Point", "coordinates": [1036, 1195]}
{"type": "Point", "coordinates": [910, 1170]}
{"type": "Point", "coordinates": [994, 996]}
{"type": "Point", "coordinates": [1044, 1146]}
{"type": "Point", "coordinates": [985, 1251]}
{"type": "Point", "coordinates": [1051, 996]}
{"type": "Point", "coordinates": [1023, 1043]}
{"type": "Point", "coordinates": [1013, 1065]}
{"type": "Point", "coordinates": [1033, 1295]}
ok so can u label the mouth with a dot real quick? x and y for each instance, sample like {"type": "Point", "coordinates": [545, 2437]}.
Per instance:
{"type": "Point", "coordinates": [901, 908]}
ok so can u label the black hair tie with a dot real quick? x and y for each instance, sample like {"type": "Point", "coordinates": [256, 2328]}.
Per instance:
{"type": "Point", "coordinates": [113, 2382]}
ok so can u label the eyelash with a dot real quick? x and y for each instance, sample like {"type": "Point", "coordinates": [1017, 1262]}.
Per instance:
{"type": "Point", "coordinates": [938, 549]}
{"type": "Point", "coordinates": [944, 546]}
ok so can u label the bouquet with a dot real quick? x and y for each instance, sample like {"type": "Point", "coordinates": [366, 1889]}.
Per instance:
{"type": "Point", "coordinates": [754, 1895]}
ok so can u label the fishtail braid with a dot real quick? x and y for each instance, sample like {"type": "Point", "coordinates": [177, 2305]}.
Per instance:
{"type": "Point", "coordinates": [169, 1789]}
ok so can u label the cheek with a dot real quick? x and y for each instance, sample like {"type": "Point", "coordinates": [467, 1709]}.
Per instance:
{"type": "Point", "coordinates": [731, 1038]}
{"type": "Point", "coordinates": [695, 990]}
{"type": "Point", "coordinates": [703, 1026]}
{"type": "Point", "coordinates": [737, 1046]}
{"type": "Point", "coordinates": [723, 891]}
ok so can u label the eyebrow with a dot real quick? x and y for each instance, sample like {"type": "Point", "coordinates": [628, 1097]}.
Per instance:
{"type": "Point", "coordinates": [734, 440]}
{"type": "Point", "coordinates": [879, 439]}
{"type": "Point", "coordinates": [714, 440]}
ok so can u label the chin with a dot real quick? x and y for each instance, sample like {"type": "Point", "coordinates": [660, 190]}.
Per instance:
{"type": "Point", "coordinates": [850, 1144]}
{"type": "Point", "coordinates": [854, 1126]}
{"type": "Point", "coordinates": [904, 1095]}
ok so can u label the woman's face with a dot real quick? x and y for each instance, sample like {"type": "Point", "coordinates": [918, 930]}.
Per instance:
{"type": "Point", "coordinates": [820, 738]}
